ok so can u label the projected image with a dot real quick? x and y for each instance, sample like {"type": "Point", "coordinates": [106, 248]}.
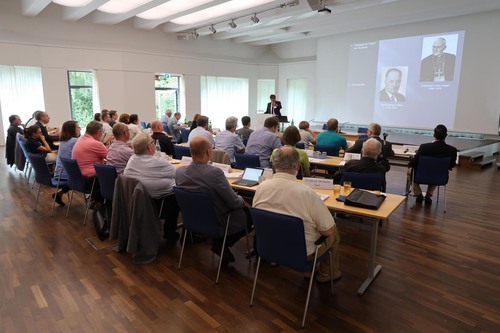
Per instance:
{"type": "Point", "coordinates": [438, 65]}
{"type": "Point", "coordinates": [392, 80]}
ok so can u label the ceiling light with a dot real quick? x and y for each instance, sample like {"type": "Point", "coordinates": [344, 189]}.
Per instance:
{"type": "Point", "coordinates": [195, 33]}
{"type": "Point", "coordinates": [121, 6]}
{"type": "Point", "coordinates": [170, 8]}
{"type": "Point", "coordinates": [232, 25]}
{"type": "Point", "coordinates": [72, 3]}
{"type": "Point", "coordinates": [254, 18]}
{"type": "Point", "coordinates": [212, 29]}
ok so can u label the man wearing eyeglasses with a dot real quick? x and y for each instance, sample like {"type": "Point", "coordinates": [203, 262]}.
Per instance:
{"type": "Point", "coordinates": [439, 66]}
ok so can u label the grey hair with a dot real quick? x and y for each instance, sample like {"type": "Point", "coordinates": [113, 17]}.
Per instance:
{"type": "Point", "coordinates": [93, 127]}
{"type": "Point", "coordinates": [285, 158]}
{"type": "Point", "coordinates": [140, 143]}
{"type": "Point", "coordinates": [371, 148]}
{"type": "Point", "coordinates": [231, 122]}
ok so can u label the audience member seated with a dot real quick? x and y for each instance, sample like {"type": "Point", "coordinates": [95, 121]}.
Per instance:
{"type": "Point", "coordinates": [262, 142]}
{"type": "Point", "coordinates": [306, 136]}
{"type": "Point", "coordinates": [70, 132]}
{"type": "Point", "coordinates": [290, 138]}
{"type": "Point", "coordinates": [97, 116]}
{"type": "Point", "coordinates": [374, 131]}
{"type": "Point", "coordinates": [157, 177]}
{"type": "Point", "coordinates": [10, 141]}
{"type": "Point", "coordinates": [194, 122]}
{"type": "Point", "coordinates": [165, 117]}
{"type": "Point", "coordinates": [437, 148]}
{"type": "Point", "coordinates": [37, 144]}
{"type": "Point", "coordinates": [245, 131]}
{"type": "Point", "coordinates": [331, 137]}
{"type": "Point", "coordinates": [124, 118]}
{"type": "Point", "coordinates": [50, 134]}
{"type": "Point", "coordinates": [32, 120]}
{"type": "Point", "coordinates": [174, 126]}
{"type": "Point", "coordinates": [134, 126]}
{"type": "Point", "coordinates": [228, 141]}
{"type": "Point", "coordinates": [107, 135]}
{"type": "Point", "coordinates": [367, 164]}
{"type": "Point", "coordinates": [201, 130]}
{"type": "Point", "coordinates": [113, 115]}
{"type": "Point", "coordinates": [120, 152]}
{"type": "Point", "coordinates": [199, 176]}
{"type": "Point", "coordinates": [283, 194]}
{"type": "Point", "coordinates": [166, 145]}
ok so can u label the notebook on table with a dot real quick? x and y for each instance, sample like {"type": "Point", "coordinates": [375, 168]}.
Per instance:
{"type": "Point", "coordinates": [250, 177]}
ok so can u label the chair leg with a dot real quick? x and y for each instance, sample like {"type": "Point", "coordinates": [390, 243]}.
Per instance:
{"type": "Point", "coordinates": [182, 248]}
{"type": "Point", "coordinates": [330, 255]}
{"type": "Point", "coordinates": [310, 287]}
{"type": "Point", "coordinates": [248, 245]}
{"type": "Point", "coordinates": [87, 205]}
{"type": "Point", "coordinates": [29, 174]}
{"type": "Point", "coordinates": [445, 198]}
{"type": "Point", "coordinates": [70, 201]}
{"type": "Point", "coordinates": [37, 195]}
{"type": "Point", "coordinates": [255, 281]}
{"type": "Point", "coordinates": [222, 250]}
{"type": "Point", "coordinates": [54, 199]}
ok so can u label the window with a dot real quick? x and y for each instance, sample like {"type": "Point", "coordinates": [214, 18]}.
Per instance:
{"type": "Point", "coordinates": [222, 97]}
{"type": "Point", "coordinates": [166, 93]}
{"type": "Point", "coordinates": [265, 88]}
{"type": "Point", "coordinates": [297, 100]}
{"type": "Point", "coordinates": [81, 96]}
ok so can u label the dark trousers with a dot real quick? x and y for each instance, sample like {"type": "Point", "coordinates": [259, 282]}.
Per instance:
{"type": "Point", "coordinates": [169, 212]}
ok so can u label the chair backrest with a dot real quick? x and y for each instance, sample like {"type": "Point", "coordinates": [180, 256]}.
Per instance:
{"type": "Point", "coordinates": [181, 151]}
{"type": "Point", "coordinates": [220, 156]}
{"type": "Point", "coordinates": [106, 174]}
{"type": "Point", "coordinates": [143, 124]}
{"type": "Point", "coordinates": [362, 129]}
{"type": "Point", "coordinates": [432, 170]}
{"type": "Point", "coordinates": [198, 213]}
{"type": "Point", "coordinates": [42, 172]}
{"type": "Point", "coordinates": [285, 248]}
{"type": "Point", "coordinates": [185, 134]}
{"type": "Point", "coordinates": [300, 145]}
{"type": "Point", "coordinates": [365, 181]}
{"type": "Point", "coordinates": [324, 127]}
{"type": "Point", "coordinates": [330, 150]}
{"type": "Point", "coordinates": [246, 161]}
{"type": "Point", "coordinates": [22, 144]}
{"type": "Point", "coordinates": [75, 178]}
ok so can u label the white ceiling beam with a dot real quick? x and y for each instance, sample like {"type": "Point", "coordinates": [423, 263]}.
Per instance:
{"type": "Point", "coordinates": [108, 18]}
{"type": "Point", "coordinates": [34, 7]}
{"type": "Point", "coordinates": [76, 13]}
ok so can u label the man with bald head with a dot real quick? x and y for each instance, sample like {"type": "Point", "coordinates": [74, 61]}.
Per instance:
{"type": "Point", "coordinates": [199, 176]}
{"type": "Point", "coordinates": [438, 66]}
{"type": "Point", "coordinates": [119, 152]}
{"type": "Point", "coordinates": [166, 145]}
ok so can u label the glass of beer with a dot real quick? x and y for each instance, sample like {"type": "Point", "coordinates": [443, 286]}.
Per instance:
{"type": "Point", "coordinates": [347, 187]}
{"type": "Point", "coordinates": [336, 190]}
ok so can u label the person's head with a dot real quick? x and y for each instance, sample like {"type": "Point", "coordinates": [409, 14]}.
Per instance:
{"type": "Point", "coordinates": [168, 112]}
{"type": "Point", "coordinates": [121, 132]}
{"type": "Point", "coordinates": [15, 120]}
{"type": "Point", "coordinates": [43, 117]}
{"type": "Point", "coordinates": [272, 98]}
{"type": "Point", "coordinates": [371, 148]}
{"type": "Point", "coordinates": [196, 116]}
{"type": "Point", "coordinates": [245, 121]}
{"type": "Point", "coordinates": [124, 118]}
{"type": "Point", "coordinates": [438, 46]}
{"type": "Point", "coordinates": [203, 122]}
{"type": "Point", "coordinates": [70, 129]}
{"type": "Point", "coordinates": [134, 119]}
{"type": "Point", "coordinates": [156, 126]}
{"type": "Point", "coordinates": [177, 115]}
{"type": "Point", "coordinates": [201, 149]}
{"type": "Point", "coordinates": [32, 132]}
{"type": "Point", "coordinates": [291, 136]}
{"type": "Point", "coordinates": [304, 125]}
{"type": "Point", "coordinates": [440, 132]}
{"type": "Point", "coordinates": [94, 129]}
{"type": "Point", "coordinates": [332, 124]}
{"type": "Point", "coordinates": [97, 116]}
{"type": "Point", "coordinates": [374, 129]}
{"type": "Point", "coordinates": [271, 123]}
{"type": "Point", "coordinates": [231, 124]}
{"type": "Point", "coordinates": [393, 80]}
{"type": "Point", "coordinates": [286, 159]}
{"type": "Point", "coordinates": [105, 116]}
{"type": "Point", "coordinates": [113, 114]}
{"type": "Point", "coordinates": [143, 143]}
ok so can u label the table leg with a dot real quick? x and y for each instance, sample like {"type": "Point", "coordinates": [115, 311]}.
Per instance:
{"type": "Point", "coordinates": [373, 268]}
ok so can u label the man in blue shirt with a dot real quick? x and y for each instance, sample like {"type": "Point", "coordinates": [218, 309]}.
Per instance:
{"type": "Point", "coordinates": [264, 141]}
{"type": "Point", "coordinates": [331, 137]}
{"type": "Point", "coordinates": [228, 141]}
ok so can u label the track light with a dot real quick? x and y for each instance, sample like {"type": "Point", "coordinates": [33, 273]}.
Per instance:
{"type": "Point", "coordinates": [195, 33]}
{"type": "Point", "coordinates": [232, 25]}
{"type": "Point", "coordinates": [254, 18]}
{"type": "Point", "coordinates": [324, 10]}
{"type": "Point", "coordinates": [212, 29]}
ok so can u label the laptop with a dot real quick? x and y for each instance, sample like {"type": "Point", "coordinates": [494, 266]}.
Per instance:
{"type": "Point", "coordinates": [250, 177]}
{"type": "Point", "coordinates": [283, 119]}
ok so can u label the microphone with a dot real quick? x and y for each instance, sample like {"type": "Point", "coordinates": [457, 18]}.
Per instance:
{"type": "Point", "coordinates": [341, 125]}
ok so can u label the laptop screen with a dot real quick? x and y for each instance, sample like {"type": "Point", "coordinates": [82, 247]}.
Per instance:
{"type": "Point", "coordinates": [252, 174]}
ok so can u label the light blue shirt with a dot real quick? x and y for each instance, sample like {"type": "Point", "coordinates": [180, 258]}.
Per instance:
{"type": "Point", "coordinates": [262, 142]}
{"type": "Point", "coordinates": [200, 131]}
{"type": "Point", "coordinates": [65, 149]}
{"type": "Point", "coordinates": [228, 141]}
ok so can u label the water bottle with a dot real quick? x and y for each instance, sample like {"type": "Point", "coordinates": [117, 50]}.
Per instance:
{"type": "Point", "coordinates": [158, 148]}
{"type": "Point", "coordinates": [185, 120]}
{"type": "Point", "coordinates": [209, 124]}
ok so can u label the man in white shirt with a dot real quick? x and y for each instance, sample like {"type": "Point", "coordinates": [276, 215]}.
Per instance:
{"type": "Point", "coordinates": [165, 117]}
{"type": "Point", "coordinates": [107, 135]}
{"type": "Point", "coordinates": [228, 141]}
{"type": "Point", "coordinates": [174, 126]}
{"type": "Point", "coordinates": [201, 130]}
{"type": "Point", "coordinates": [283, 194]}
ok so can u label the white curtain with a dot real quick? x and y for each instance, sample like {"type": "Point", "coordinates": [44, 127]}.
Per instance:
{"type": "Point", "coordinates": [265, 88]}
{"type": "Point", "coordinates": [21, 93]}
{"type": "Point", "coordinates": [297, 100]}
{"type": "Point", "coordinates": [222, 97]}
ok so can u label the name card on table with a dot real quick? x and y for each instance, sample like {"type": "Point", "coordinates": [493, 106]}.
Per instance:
{"type": "Point", "coordinates": [223, 167]}
{"type": "Point", "coordinates": [351, 156]}
{"type": "Point", "coordinates": [186, 160]}
{"type": "Point", "coordinates": [325, 184]}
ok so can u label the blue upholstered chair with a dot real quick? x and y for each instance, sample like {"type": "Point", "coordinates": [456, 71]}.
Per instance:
{"type": "Point", "coordinates": [433, 171]}
{"type": "Point", "coordinates": [181, 151]}
{"type": "Point", "coordinates": [365, 181]}
{"type": "Point", "coordinates": [76, 182]}
{"type": "Point", "coordinates": [246, 161]}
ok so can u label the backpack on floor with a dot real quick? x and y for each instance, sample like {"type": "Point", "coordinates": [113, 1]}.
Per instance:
{"type": "Point", "coordinates": [101, 220]}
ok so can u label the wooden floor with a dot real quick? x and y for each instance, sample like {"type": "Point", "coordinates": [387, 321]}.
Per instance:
{"type": "Point", "coordinates": [441, 273]}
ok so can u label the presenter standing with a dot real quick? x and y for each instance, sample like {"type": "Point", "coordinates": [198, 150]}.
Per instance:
{"type": "Point", "coordinates": [274, 106]}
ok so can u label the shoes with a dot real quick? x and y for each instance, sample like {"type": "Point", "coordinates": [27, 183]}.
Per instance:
{"type": "Point", "coordinates": [428, 200]}
{"type": "Point", "coordinates": [323, 278]}
{"type": "Point", "coordinates": [250, 254]}
{"type": "Point", "coordinates": [58, 199]}
{"type": "Point", "coordinates": [420, 198]}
